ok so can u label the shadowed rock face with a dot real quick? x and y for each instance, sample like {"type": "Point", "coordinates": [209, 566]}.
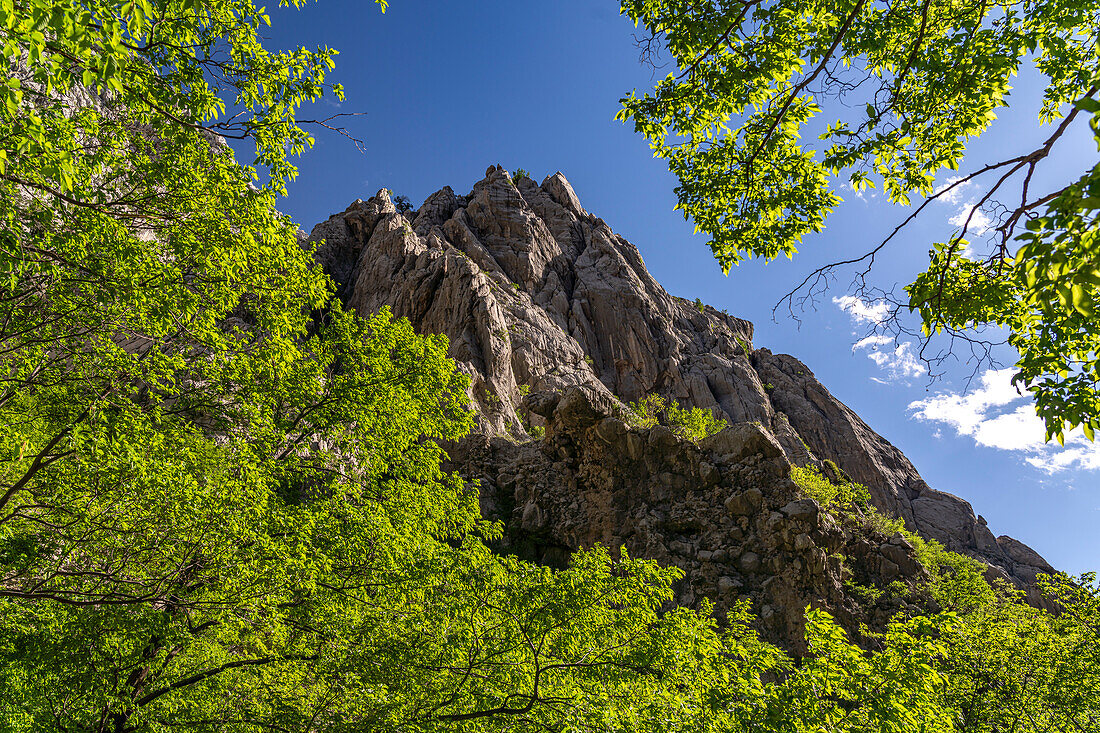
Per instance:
{"type": "Point", "coordinates": [539, 296]}
{"type": "Point", "coordinates": [724, 511]}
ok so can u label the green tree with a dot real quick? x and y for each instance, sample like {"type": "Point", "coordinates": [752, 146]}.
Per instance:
{"type": "Point", "coordinates": [917, 80]}
{"type": "Point", "coordinates": [692, 423]}
{"type": "Point", "coordinates": [1009, 665]}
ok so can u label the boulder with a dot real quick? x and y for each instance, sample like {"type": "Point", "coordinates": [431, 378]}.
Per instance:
{"type": "Point", "coordinates": [802, 510]}
{"type": "Point", "coordinates": [745, 503]}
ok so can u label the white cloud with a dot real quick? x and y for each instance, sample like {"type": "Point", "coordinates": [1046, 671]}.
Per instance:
{"type": "Point", "coordinates": [965, 412]}
{"type": "Point", "coordinates": [955, 194]}
{"type": "Point", "coordinates": [862, 312]}
{"type": "Point", "coordinates": [872, 341]}
{"type": "Point", "coordinates": [1019, 430]}
{"type": "Point", "coordinates": [986, 415]}
{"type": "Point", "coordinates": [962, 196]}
{"type": "Point", "coordinates": [1080, 454]}
{"type": "Point", "coordinates": [980, 223]}
{"type": "Point", "coordinates": [899, 361]}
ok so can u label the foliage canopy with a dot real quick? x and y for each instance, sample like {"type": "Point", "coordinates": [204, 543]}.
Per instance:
{"type": "Point", "coordinates": [916, 80]}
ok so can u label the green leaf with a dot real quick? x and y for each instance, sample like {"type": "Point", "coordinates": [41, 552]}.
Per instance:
{"type": "Point", "coordinates": [1088, 104]}
{"type": "Point", "coordinates": [1082, 301]}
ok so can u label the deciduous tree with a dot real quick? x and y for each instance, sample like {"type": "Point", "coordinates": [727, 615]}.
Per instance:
{"type": "Point", "coordinates": [916, 81]}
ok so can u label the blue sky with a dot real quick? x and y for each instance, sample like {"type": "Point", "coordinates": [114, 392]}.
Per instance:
{"type": "Point", "coordinates": [450, 88]}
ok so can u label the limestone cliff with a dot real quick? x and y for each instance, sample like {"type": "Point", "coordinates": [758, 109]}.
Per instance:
{"type": "Point", "coordinates": [542, 299]}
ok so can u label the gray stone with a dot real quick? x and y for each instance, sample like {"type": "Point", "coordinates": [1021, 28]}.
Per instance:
{"type": "Point", "coordinates": [745, 503]}
{"type": "Point", "coordinates": [680, 548]}
{"type": "Point", "coordinates": [661, 438]}
{"type": "Point", "coordinates": [802, 510]}
{"type": "Point", "coordinates": [542, 403]}
{"type": "Point", "coordinates": [1021, 553]}
{"type": "Point", "coordinates": [900, 556]}
{"type": "Point", "coordinates": [576, 410]}
{"type": "Point", "coordinates": [995, 573]}
{"type": "Point", "coordinates": [741, 440]}
{"type": "Point", "coordinates": [750, 562]}
{"type": "Point", "coordinates": [533, 517]}
{"type": "Point", "coordinates": [727, 585]}
{"type": "Point", "coordinates": [887, 569]}
{"type": "Point", "coordinates": [611, 430]}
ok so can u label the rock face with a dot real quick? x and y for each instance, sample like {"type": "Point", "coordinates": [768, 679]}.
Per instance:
{"type": "Point", "coordinates": [542, 299]}
{"type": "Point", "coordinates": [724, 511]}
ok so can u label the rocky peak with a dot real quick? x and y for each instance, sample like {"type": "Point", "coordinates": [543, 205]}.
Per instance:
{"type": "Point", "coordinates": [538, 296]}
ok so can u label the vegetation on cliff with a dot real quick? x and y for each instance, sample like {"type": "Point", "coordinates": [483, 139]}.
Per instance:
{"type": "Point", "coordinates": [693, 423]}
{"type": "Point", "coordinates": [955, 582]}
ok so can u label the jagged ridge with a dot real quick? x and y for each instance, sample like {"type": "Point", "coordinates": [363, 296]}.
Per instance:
{"type": "Point", "coordinates": [538, 295]}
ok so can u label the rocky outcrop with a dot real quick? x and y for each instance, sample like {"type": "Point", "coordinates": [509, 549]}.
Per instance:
{"type": "Point", "coordinates": [724, 511]}
{"type": "Point", "coordinates": [833, 431]}
{"type": "Point", "coordinates": [538, 296]}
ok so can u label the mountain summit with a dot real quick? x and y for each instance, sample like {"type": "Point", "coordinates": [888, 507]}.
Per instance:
{"type": "Point", "coordinates": [558, 323]}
